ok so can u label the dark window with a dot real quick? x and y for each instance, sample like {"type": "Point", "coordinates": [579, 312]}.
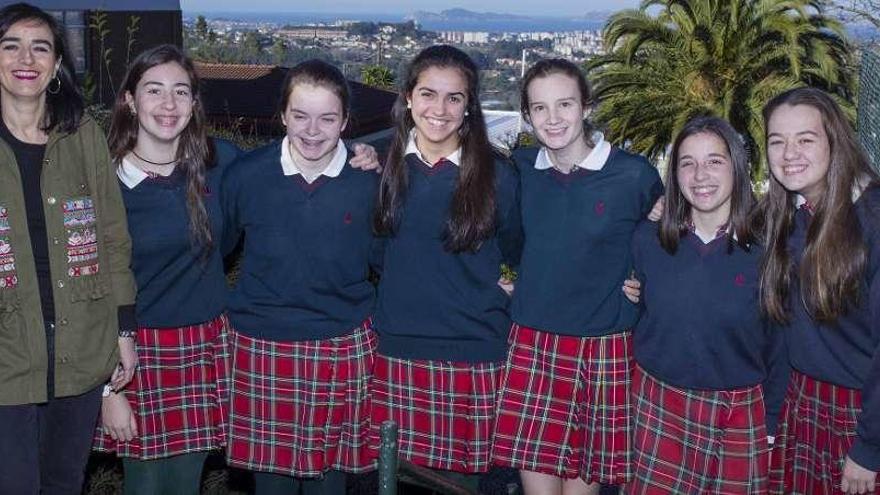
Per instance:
{"type": "Point", "coordinates": [75, 23]}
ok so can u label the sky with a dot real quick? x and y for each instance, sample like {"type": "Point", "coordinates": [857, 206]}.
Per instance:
{"type": "Point", "coordinates": [528, 7]}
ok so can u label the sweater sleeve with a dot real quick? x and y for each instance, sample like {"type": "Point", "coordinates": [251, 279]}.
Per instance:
{"type": "Point", "coordinates": [113, 219]}
{"type": "Point", "coordinates": [510, 230]}
{"type": "Point", "coordinates": [778, 373]}
{"type": "Point", "coordinates": [865, 450]}
{"type": "Point", "coordinates": [651, 188]}
{"type": "Point", "coordinates": [229, 191]}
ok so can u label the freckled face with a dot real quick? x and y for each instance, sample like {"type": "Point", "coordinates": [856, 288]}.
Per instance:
{"type": "Point", "coordinates": [798, 149]}
{"type": "Point", "coordinates": [438, 102]}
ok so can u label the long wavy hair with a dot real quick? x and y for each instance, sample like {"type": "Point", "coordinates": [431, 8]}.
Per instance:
{"type": "Point", "coordinates": [677, 214]}
{"type": "Point", "coordinates": [472, 208]}
{"type": "Point", "coordinates": [835, 256]}
{"type": "Point", "coordinates": [64, 108]}
{"type": "Point", "coordinates": [195, 152]}
{"type": "Point", "coordinates": [547, 67]}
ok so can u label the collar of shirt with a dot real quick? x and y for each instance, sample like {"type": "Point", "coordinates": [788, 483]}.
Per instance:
{"type": "Point", "coordinates": [721, 231]}
{"type": "Point", "coordinates": [333, 168]}
{"type": "Point", "coordinates": [802, 203]}
{"type": "Point", "coordinates": [412, 149]}
{"type": "Point", "coordinates": [595, 160]}
{"type": "Point", "coordinates": [129, 174]}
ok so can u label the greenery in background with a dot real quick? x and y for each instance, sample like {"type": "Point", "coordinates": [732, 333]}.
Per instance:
{"type": "Point", "coordinates": [378, 76]}
{"type": "Point", "coordinates": [671, 60]}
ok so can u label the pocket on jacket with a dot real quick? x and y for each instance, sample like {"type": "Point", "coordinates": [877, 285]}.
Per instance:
{"type": "Point", "coordinates": [80, 223]}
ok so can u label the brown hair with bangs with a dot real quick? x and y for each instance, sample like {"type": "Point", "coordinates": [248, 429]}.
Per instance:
{"type": "Point", "coordinates": [677, 213]}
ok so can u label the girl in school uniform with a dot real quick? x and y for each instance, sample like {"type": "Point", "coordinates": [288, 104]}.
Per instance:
{"type": "Point", "coordinates": [302, 342]}
{"type": "Point", "coordinates": [820, 279]}
{"type": "Point", "coordinates": [449, 213]}
{"type": "Point", "coordinates": [711, 373]}
{"type": "Point", "coordinates": [564, 412]}
{"type": "Point", "coordinates": [175, 410]}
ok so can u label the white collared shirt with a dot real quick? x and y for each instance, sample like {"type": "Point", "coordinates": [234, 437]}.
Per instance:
{"type": "Point", "coordinates": [411, 148]}
{"type": "Point", "coordinates": [130, 174]}
{"type": "Point", "coordinates": [333, 168]}
{"type": "Point", "coordinates": [595, 160]}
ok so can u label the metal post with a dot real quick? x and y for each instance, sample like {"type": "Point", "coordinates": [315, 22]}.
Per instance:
{"type": "Point", "coordinates": [388, 459]}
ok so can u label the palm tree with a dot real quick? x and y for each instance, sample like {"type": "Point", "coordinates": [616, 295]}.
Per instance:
{"type": "Point", "coordinates": [671, 60]}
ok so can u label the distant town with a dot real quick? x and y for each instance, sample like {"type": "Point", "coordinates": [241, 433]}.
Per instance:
{"type": "Point", "coordinates": [375, 52]}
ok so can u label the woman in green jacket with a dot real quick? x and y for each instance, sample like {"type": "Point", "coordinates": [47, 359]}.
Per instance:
{"type": "Point", "coordinates": [66, 291]}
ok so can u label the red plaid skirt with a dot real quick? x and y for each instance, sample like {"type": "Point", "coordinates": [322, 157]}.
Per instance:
{"type": "Point", "coordinates": [698, 441]}
{"type": "Point", "coordinates": [816, 430]}
{"type": "Point", "coordinates": [179, 393]}
{"type": "Point", "coordinates": [301, 408]}
{"type": "Point", "coordinates": [444, 410]}
{"type": "Point", "coordinates": [564, 406]}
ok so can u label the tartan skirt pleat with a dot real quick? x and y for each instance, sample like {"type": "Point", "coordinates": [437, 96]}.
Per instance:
{"type": "Point", "coordinates": [179, 394]}
{"type": "Point", "coordinates": [564, 406]}
{"type": "Point", "coordinates": [444, 410]}
{"type": "Point", "coordinates": [816, 429]}
{"type": "Point", "coordinates": [698, 441]}
{"type": "Point", "coordinates": [301, 408]}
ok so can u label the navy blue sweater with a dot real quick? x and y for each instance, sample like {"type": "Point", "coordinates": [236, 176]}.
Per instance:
{"type": "Point", "coordinates": [176, 286]}
{"type": "Point", "coordinates": [307, 248]}
{"type": "Point", "coordinates": [701, 325]}
{"type": "Point", "coordinates": [578, 229]}
{"type": "Point", "coordinates": [435, 304]}
{"type": "Point", "coordinates": [847, 353]}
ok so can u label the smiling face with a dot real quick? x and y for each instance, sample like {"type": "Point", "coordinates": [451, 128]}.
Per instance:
{"type": "Point", "coordinates": [163, 102]}
{"type": "Point", "coordinates": [556, 111]}
{"type": "Point", "coordinates": [439, 102]}
{"type": "Point", "coordinates": [705, 174]}
{"type": "Point", "coordinates": [798, 150]}
{"type": "Point", "coordinates": [315, 119]}
{"type": "Point", "coordinates": [27, 60]}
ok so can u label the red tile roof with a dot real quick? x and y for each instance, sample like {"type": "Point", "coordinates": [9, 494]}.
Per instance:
{"type": "Point", "coordinates": [232, 71]}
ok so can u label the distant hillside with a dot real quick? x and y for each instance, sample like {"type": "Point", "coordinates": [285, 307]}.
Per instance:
{"type": "Point", "coordinates": [464, 15]}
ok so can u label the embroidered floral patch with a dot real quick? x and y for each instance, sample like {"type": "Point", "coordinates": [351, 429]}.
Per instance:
{"type": "Point", "coordinates": [82, 254]}
{"type": "Point", "coordinates": [79, 212]}
{"type": "Point", "coordinates": [4, 220]}
{"type": "Point", "coordinates": [82, 271]}
{"type": "Point", "coordinates": [82, 247]}
{"type": "Point", "coordinates": [8, 277]}
{"type": "Point", "coordinates": [8, 281]}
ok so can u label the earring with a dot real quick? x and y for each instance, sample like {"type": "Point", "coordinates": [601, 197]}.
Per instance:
{"type": "Point", "coordinates": [466, 113]}
{"type": "Point", "coordinates": [409, 105]}
{"type": "Point", "coordinates": [57, 89]}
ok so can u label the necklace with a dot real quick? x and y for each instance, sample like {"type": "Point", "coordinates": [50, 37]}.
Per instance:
{"type": "Point", "coordinates": [135, 153]}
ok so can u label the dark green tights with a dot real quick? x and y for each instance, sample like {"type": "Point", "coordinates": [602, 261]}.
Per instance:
{"type": "Point", "coordinates": [333, 483]}
{"type": "Point", "coordinates": [178, 475]}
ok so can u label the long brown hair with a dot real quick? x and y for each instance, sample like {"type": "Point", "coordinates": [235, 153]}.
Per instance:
{"type": "Point", "coordinates": [195, 152]}
{"type": "Point", "coordinates": [472, 208]}
{"type": "Point", "coordinates": [677, 213]}
{"type": "Point", "coordinates": [835, 256]}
